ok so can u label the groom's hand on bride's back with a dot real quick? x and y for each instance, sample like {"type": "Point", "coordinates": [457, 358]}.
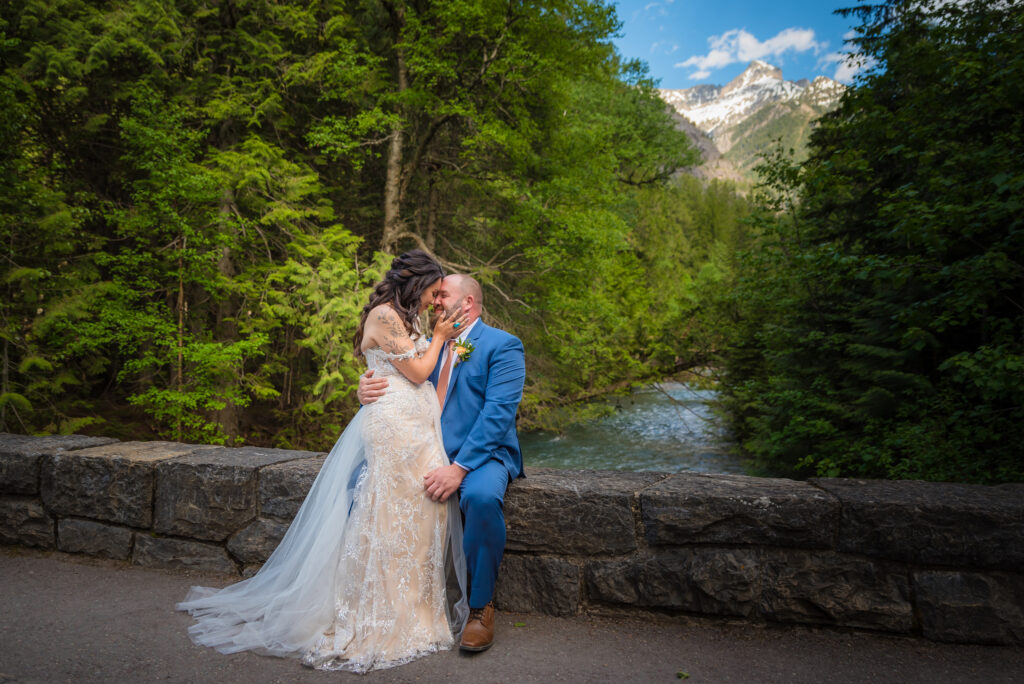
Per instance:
{"type": "Point", "coordinates": [370, 388]}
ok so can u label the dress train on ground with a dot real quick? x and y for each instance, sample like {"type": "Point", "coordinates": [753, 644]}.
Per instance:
{"type": "Point", "coordinates": [359, 580]}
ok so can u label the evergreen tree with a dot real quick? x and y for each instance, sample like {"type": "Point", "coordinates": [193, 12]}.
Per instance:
{"type": "Point", "coordinates": [883, 328]}
{"type": "Point", "coordinates": [196, 195]}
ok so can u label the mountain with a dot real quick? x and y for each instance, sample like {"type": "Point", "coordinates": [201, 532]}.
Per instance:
{"type": "Point", "coordinates": [732, 124]}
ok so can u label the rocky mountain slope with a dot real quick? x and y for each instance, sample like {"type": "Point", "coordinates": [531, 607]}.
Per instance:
{"type": "Point", "coordinates": [732, 124]}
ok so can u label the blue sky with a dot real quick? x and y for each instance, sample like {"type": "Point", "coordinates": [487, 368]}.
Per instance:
{"type": "Point", "coordinates": [688, 42]}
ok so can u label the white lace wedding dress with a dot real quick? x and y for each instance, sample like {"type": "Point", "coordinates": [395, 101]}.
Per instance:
{"type": "Point", "coordinates": [359, 581]}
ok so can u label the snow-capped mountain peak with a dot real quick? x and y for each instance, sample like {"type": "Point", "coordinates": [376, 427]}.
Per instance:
{"type": "Point", "coordinates": [732, 125]}
{"type": "Point", "coordinates": [756, 72]}
{"type": "Point", "coordinates": [717, 109]}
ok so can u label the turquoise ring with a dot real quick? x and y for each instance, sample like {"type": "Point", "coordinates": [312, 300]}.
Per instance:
{"type": "Point", "coordinates": [456, 325]}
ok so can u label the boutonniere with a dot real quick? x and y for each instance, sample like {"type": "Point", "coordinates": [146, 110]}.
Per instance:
{"type": "Point", "coordinates": [463, 350]}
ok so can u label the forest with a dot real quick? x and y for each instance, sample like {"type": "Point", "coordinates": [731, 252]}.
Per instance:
{"type": "Point", "coordinates": [880, 316]}
{"type": "Point", "coordinates": [196, 197]}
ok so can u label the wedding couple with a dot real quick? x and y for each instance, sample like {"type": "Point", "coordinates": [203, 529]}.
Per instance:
{"type": "Point", "coordinates": [359, 580]}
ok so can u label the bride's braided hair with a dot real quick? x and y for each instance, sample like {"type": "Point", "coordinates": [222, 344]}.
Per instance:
{"type": "Point", "coordinates": [410, 276]}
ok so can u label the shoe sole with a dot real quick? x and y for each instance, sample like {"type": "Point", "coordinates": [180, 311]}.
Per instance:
{"type": "Point", "coordinates": [475, 649]}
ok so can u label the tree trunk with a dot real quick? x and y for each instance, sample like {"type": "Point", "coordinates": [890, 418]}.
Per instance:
{"type": "Point", "coordinates": [393, 225]}
{"type": "Point", "coordinates": [433, 204]}
{"type": "Point", "coordinates": [4, 389]}
{"type": "Point", "coordinates": [226, 330]}
{"type": "Point", "coordinates": [180, 381]}
{"type": "Point", "coordinates": [392, 207]}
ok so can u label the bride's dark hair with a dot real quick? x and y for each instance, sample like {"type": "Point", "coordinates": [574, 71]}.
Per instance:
{"type": "Point", "coordinates": [410, 276]}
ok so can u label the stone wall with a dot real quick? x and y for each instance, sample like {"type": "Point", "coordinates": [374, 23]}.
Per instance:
{"type": "Point", "coordinates": [943, 561]}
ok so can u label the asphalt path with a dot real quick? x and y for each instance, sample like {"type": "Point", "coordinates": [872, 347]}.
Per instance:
{"type": "Point", "coordinates": [67, 618]}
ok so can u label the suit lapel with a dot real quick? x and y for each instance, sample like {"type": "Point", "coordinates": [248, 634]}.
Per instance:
{"type": "Point", "coordinates": [474, 335]}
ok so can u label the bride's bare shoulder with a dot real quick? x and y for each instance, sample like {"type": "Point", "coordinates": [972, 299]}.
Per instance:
{"type": "Point", "coordinates": [381, 313]}
{"type": "Point", "coordinates": [385, 329]}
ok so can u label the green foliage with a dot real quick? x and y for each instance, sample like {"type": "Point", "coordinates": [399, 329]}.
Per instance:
{"type": "Point", "coordinates": [215, 378]}
{"type": "Point", "coordinates": [788, 124]}
{"type": "Point", "coordinates": [881, 324]}
{"type": "Point", "coordinates": [158, 190]}
{"type": "Point", "coordinates": [196, 198]}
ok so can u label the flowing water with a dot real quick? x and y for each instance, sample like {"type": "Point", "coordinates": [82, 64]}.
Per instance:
{"type": "Point", "coordinates": [647, 431]}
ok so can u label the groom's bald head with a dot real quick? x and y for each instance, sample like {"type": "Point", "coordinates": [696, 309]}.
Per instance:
{"type": "Point", "coordinates": [463, 291]}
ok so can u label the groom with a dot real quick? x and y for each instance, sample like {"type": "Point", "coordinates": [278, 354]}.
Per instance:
{"type": "Point", "coordinates": [479, 394]}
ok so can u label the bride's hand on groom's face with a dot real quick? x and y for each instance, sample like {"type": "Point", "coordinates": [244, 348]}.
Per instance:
{"type": "Point", "coordinates": [370, 388]}
{"type": "Point", "coordinates": [449, 326]}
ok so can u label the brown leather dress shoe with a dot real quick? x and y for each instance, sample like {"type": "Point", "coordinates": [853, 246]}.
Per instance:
{"type": "Point", "coordinates": [478, 634]}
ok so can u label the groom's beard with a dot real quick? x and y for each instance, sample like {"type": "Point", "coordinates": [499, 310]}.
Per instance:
{"type": "Point", "coordinates": [448, 312]}
{"type": "Point", "coordinates": [453, 310]}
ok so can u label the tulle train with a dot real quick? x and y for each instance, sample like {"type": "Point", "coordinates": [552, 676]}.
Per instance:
{"type": "Point", "coordinates": [287, 605]}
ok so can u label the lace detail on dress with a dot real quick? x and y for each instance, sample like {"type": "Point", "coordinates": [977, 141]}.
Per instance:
{"type": "Point", "coordinates": [391, 603]}
{"type": "Point", "coordinates": [404, 356]}
{"type": "Point", "coordinates": [358, 581]}
{"type": "Point", "coordinates": [380, 361]}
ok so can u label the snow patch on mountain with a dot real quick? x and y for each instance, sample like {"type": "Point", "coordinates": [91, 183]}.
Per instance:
{"type": "Point", "coordinates": [823, 92]}
{"type": "Point", "coordinates": [715, 109]}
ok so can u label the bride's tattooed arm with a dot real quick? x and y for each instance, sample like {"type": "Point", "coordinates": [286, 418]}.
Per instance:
{"type": "Point", "coordinates": [394, 337]}
{"type": "Point", "coordinates": [386, 330]}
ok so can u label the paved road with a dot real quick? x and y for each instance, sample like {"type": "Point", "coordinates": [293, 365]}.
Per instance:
{"type": "Point", "coordinates": [70, 619]}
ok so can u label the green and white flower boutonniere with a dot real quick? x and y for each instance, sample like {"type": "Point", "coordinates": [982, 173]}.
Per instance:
{"type": "Point", "coordinates": [463, 350]}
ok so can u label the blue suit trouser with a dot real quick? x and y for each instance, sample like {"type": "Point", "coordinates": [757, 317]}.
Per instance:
{"type": "Point", "coordinates": [481, 498]}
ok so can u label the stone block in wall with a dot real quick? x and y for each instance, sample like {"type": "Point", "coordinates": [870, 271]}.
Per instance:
{"type": "Point", "coordinates": [538, 584]}
{"type": "Point", "coordinates": [211, 494]}
{"type": "Point", "coordinates": [24, 521]}
{"type": "Point", "coordinates": [94, 538]}
{"type": "Point", "coordinates": [181, 554]}
{"type": "Point", "coordinates": [690, 508]}
{"type": "Point", "coordinates": [255, 542]}
{"type": "Point", "coordinates": [931, 523]}
{"type": "Point", "coordinates": [20, 455]}
{"type": "Point", "coordinates": [970, 607]}
{"type": "Point", "coordinates": [283, 486]}
{"type": "Point", "coordinates": [574, 512]}
{"type": "Point", "coordinates": [829, 588]}
{"type": "Point", "coordinates": [703, 580]}
{"type": "Point", "coordinates": [113, 482]}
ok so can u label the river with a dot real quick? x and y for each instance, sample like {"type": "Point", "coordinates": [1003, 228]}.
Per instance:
{"type": "Point", "coordinates": [647, 431]}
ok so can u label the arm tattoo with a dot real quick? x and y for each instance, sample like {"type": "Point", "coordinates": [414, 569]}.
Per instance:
{"type": "Point", "coordinates": [395, 338]}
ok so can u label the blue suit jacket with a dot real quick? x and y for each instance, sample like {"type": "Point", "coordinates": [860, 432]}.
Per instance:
{"type": "Point", "coordinates": [478, 421]}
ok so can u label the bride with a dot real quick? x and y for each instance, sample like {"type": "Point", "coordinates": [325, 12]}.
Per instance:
{"type": "Point", "coordinates": [359, 581]}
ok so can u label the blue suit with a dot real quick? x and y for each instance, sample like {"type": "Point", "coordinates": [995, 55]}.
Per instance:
{"type": "Point", "coordinates": [478, 424]}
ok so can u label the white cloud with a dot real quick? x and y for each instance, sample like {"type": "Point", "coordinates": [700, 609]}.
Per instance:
{"type": "Point", "coordinates": [662, 9]}
{"type": "Point", "coordinates": [738, 45]}
{"type": "Point", "coordinates": [665, 47]}
{"type": "Point", "coordinates": [847, 67]}
{"type": "Point", "coordinates": [846, 64]}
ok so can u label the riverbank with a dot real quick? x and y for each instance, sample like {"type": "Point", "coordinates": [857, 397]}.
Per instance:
{"type": "Point", "coordinates": [668, 427]}
{"type": "Point", "coordinates": [72, 619]}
